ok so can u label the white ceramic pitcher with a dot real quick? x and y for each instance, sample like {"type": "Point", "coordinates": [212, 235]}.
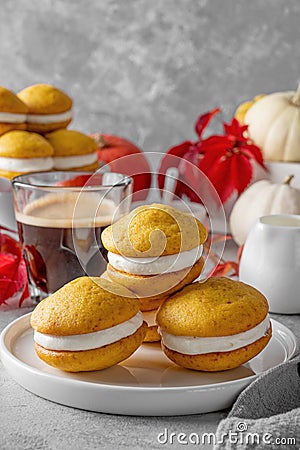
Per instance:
{"type": "Point", "coordinates": [270, 261]}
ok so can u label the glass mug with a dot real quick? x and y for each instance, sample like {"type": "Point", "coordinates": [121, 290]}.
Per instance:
{"type": "Point", "coordinates": [60, 218]}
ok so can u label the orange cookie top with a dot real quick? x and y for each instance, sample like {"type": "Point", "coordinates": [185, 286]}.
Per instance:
{"type": "Point", "coordinates": [84, 305]}
{"type": "Point", "coordinates": [45, 99]}
{"type": "Point", "coordinates": [24, 144]}
{"type": "Point", "coordinates": [71, 143]}
{"type": "Point", "coordinates": [217, 307]}
{"type": "Point", "coordinates": [154, 230]}
{"type": "Point", "coordinates": [9, 102]}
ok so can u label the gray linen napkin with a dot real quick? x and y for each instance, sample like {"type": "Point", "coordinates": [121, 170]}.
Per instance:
{"type": "Point", "coordinates": [266, 414]}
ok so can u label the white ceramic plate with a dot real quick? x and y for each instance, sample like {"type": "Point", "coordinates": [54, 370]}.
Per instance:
{"type": "Point", "coordinates": [147, 383]}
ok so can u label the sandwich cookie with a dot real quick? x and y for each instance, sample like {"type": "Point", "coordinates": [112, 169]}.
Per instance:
{"type": "Point", "coordinates": [73, 150]}
{"type": "Point", "coordinates": [49, 108]}
{"type": "Point", "coordinates": [23, 152]}
{"type": "Point", "coordinates": [154, 251]}
{"type": "Point", "coordinates": [215, 325]}
{"type": "Point", "coordinates": [88, 324]}
{"type": "Point", "coordinates": [13, 111]}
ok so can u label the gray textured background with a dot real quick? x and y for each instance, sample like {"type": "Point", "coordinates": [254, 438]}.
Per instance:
{"type": "Point", "coordinates": [146, 69]}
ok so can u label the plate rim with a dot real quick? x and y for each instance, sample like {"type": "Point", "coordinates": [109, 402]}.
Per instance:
{"type": "Point", "coordinates": [95, 385]}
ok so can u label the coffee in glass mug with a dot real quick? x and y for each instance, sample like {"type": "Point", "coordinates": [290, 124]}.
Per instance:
{"type": "Point", "coordinates": [60, 224]}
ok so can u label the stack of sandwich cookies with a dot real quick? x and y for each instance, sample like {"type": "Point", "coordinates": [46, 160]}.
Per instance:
{"type": "Point", "coordinates": [49, 108]}
{"type": "Point", "coordinates": [88, 324]}
{"type": "Point", "coordinates": [13, 112]}
{"type": "Point", "coordinates": [215, 325]}
{"type": "Point", "coordinates": [73, 150]}
{"type": "Point", "coordinates": [154, 251]}
{"type": "Point", "coordinates": [23, 152]}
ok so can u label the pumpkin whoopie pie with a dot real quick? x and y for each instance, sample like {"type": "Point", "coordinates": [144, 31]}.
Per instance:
{"type": "Point", "coordinates": [154, 251]}
{"type": "Point", "coordinates": [23, 152]}
{"type": "Point", "coordinates": [49, 108]}
{"type": "Point", "coordinates": [73, 150]}
{"type": "Point", "coordinates": [88, 324]}
{"type": "Point", "coordinates": [13, 111]}
{"type": "Point", "coordinates": [214, 325]}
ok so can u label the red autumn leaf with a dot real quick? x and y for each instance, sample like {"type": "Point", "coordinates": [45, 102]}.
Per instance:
{"type": "Point", "coordinates": [13, 276]}
{"type": "Point", "coordinates": [223, 269]}
{"type": "Point", "coordinates": [7, 264]}
{"type": "Point", "coordinates": [10, 245]}
{"type": "Point", "coordinates": [189, 151]}
{"type": "Point", "coordinates": [25, 295]}
{"type": "Point", "coordinates": [215, 143]}
{"type": "Point", "coordinates": [239, 253]}
{"type": "Point", "coordinates": [204, 120]}
{"type": "Point", "coordinates": [224, 159]}
{"type": "Point", "coordinates": [221, 175]}
{"type": "Point", "coordinates": [252, 151]}
{"type": "Point", "coordinates": [234, 128]}
{"type": "Point", "coordinates": [239, 163]}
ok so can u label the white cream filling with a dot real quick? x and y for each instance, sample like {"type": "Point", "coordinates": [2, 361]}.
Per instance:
{"type": "Point", "coordinates": [49, 118]}
{"type": "Point", "coordinates": [89, 341]}
{"type": "Point", "coordinates": [7, 117]}
{"type": "Point", "coordinates": [26, 164]}
{"type": "Point", "coordinates": [191, 345]}
{"type": "Point", "coordinates": [155, 265]}
{"type": "Point", "coordinates": [67, 162]}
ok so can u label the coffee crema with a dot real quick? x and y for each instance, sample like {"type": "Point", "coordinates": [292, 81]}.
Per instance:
{"type": "Point", "coordinates": [68, 210]}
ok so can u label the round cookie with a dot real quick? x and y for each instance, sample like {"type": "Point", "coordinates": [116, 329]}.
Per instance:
{"type": "Point", "coordinates": [13, 111]}
{"type": "Point", "coordinates": [154, 251]}
{"type": "Point", "coordinates": [22, 152]}
{"type": "Point", "coordinates": [215, 325]}
{"type": "Point", "coordinates": [152, 231]}
{"type": "Point", "coordinates": [49, 108]}
{"type": "Point", "coordinates": [88, 324]}
{"type": "Point", "coordinates": [73, 150]}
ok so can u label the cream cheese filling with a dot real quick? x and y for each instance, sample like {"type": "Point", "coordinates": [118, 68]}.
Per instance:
{"type": "Point", "coordinates": [191, 345]}
{"type": "Point", "coordinates": [7, 117]}
{"type": "Point", "coordinates": [155, 265]}
{"type": "Point", "coordinates": [89, 341]}
{"type": "Point", "coordinates": [49, 118]}
{"type": "Point", "coordinates": [26, 164]}
{"type": "Point", "coordinates": [67, 162]}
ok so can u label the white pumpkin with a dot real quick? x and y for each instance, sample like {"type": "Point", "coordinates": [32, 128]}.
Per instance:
{"type": "Point", "coordinates": [262, 198]}
{"type": "Point", "coordinates": [274, 125]}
